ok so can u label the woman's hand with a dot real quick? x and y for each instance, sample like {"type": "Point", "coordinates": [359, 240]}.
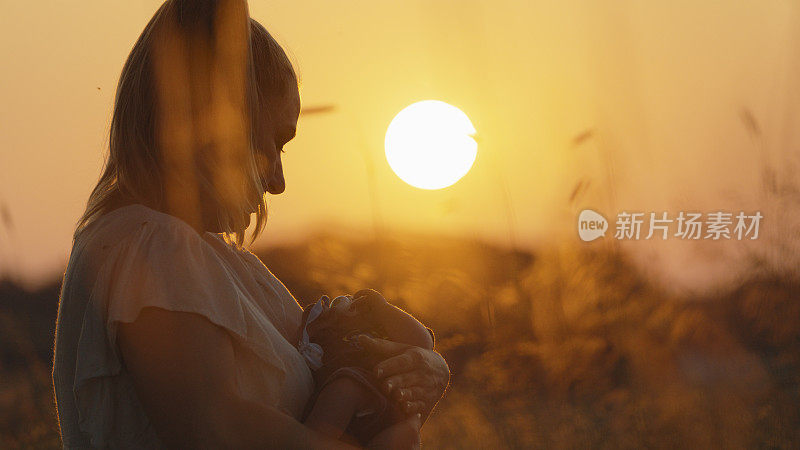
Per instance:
{"type": "Point", "coordinates": [413, 376]}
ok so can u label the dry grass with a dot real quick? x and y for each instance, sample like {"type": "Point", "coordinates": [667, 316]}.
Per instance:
{"type": "Point", "coordinates": [565, 348]}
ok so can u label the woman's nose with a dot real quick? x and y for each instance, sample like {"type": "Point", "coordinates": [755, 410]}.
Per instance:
{"type": "Point", "coordinates": [275, 183]}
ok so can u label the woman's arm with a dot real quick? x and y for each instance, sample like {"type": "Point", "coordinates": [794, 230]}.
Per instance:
{"type": "Point", "coordinates": [183, 367]}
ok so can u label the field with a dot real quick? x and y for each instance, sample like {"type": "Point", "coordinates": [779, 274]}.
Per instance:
{"type": "Point", "coordinates": [565, 347]}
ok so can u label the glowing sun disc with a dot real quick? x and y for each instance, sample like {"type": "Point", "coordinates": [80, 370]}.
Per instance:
{"type": "Point", "coordinates": [429, 144]}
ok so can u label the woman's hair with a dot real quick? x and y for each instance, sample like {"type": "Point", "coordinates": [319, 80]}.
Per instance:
{"type": "Point", "coordinates": [190, 114]}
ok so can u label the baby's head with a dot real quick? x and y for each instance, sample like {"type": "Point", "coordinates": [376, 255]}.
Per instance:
{"type": "Point", "coordinates": [369, 308]}
{"type": "Point", "coordinates": [366, 312]}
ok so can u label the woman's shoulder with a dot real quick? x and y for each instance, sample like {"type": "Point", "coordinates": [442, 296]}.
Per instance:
{"type": "Point", "coordinates": [123, 224]}
{"type": "Point", "coordinates": [134, 215]}
{"type": "Point", "coordinates": [135, 256]}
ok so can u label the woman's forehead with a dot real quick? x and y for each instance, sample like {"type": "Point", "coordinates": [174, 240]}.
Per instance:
{"type": "Point", "coordinates": [294, 103]}
{"type": "Point", "coordinates": [288, 107]}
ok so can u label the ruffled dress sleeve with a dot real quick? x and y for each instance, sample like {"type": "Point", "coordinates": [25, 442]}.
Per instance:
{"type": "Point", "coordinates": [163, 264]}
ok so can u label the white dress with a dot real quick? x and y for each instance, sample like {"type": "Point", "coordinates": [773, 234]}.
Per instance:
{"type": "Point", "coordinates": [134, 257]}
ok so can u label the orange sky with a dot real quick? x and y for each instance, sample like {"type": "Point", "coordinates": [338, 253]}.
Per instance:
{"type": "Point", "coordinates": [661, 83]}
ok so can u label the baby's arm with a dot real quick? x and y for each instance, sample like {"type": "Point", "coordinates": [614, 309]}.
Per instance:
{"type": "Point", "coordinates": [336, 405]}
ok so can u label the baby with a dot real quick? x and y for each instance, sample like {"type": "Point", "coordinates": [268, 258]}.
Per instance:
{"type": "Point", "coordinates": [348, 402]}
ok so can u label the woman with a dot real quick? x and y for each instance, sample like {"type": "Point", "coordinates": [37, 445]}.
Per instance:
{"type": "Point", "coordinates": [169, 332]}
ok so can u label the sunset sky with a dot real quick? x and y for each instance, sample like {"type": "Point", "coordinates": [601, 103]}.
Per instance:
{"type": "Point", "coordinates": [662, 85]}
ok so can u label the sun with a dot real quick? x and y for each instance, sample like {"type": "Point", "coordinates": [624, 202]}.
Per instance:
{"type": "Point", "coordinates": [429, 144]}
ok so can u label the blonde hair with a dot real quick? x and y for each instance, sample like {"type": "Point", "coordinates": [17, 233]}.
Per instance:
{"type": "Point", "coordinates": [177, 74]}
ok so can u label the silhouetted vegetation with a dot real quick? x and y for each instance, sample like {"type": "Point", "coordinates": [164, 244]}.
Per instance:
{"type": "Point", "coordinates": [565, 348]}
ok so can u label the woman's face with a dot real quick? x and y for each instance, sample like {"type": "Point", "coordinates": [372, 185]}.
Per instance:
{"type": "Point", "coordinates": [282, 116]}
